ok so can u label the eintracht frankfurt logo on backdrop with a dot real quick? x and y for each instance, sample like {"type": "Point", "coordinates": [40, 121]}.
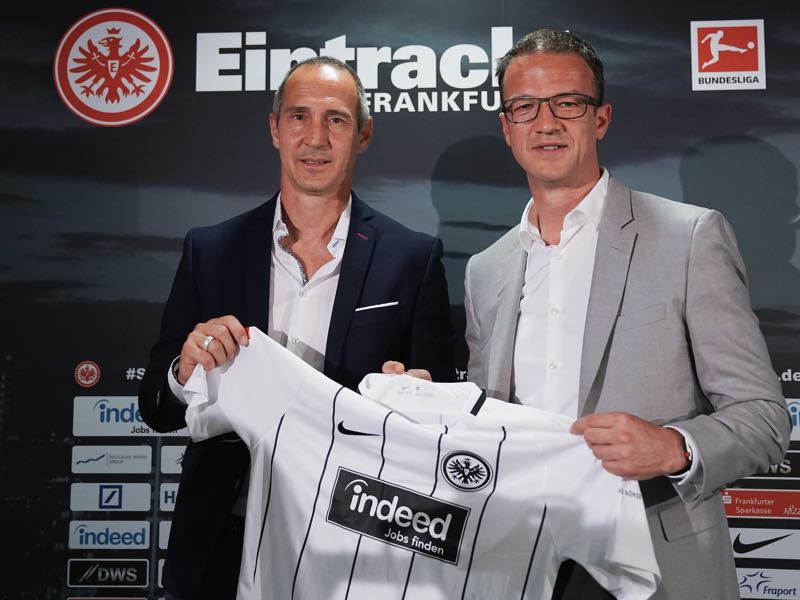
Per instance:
{"type": "Point", "coordinates": [87, 373]}
{"type": "Point", "coordinates": [728, 55]}
{"type": "Point", "coordinates": [466, 471]}
{"type": "Point", "coordinates": [113, 67]}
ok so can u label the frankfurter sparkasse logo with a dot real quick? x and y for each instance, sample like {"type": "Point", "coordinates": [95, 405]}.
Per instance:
{"type": "Point", "coordinates": [397, 516]}
{"type": "Point", "coordinates": [466, 471]}
{"type": "Point", "coordinates": [113, 67]}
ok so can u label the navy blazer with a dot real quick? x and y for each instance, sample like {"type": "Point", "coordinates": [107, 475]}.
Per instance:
{"type": "Point", "coordinates": [225, 269]}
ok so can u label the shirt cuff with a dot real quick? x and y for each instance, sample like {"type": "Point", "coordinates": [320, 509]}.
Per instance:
{"type": "Point", "coordinates": [175, 387]}
{"type": "Point", "coordinates": [695, 464]}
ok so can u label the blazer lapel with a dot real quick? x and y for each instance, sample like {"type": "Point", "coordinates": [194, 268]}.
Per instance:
{"type": "Point", "coordinates": [257, 257]}
{"type": "Point", "coordinates": [615, 244]}
{"type": "Point", "coordinates": [361, 238]}
{"type": "Point", "coordinates": [510, 278]}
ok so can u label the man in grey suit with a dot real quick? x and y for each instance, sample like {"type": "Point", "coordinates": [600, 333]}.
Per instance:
{"type": "Point", "coordinates": [628, 311]}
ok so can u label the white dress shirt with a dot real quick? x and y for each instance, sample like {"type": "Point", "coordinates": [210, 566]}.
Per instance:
{"type": "Point", "coordinates": [299, 308]}
{"type": "Point", "coordinates": [555, 297]}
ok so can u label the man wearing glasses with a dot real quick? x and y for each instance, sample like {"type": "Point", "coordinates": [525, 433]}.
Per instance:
{"type": "Point", "coordinates": [629, 312]}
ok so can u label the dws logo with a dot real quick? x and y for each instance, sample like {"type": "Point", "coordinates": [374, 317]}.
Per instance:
{"type": "Point", "coordinates": [398, 516]}
{"type": "Point", "coordinates": [125, 573]}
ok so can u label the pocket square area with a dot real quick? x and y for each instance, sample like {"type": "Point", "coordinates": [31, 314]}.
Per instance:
{"type": "Point", "coordinates": [374, 306]}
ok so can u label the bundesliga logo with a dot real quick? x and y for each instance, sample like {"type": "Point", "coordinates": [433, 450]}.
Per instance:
{"type": "Point", "coordinates": [113, 67]}
{"type": "Point", "coordinates": [728, 55]}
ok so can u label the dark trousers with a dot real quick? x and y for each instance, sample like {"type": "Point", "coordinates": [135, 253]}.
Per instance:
{"type": "Point", "coordinates": [222, 573]}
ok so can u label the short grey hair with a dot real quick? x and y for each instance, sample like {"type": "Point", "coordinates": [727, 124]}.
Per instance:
{"type": "Point", "coordinates": [362, 107]}
{"type": "Point", "coordinates": [556, 42]}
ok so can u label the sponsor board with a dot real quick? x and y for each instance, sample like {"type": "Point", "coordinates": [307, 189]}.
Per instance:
{"type": "Point", "coordinates": [763, 504]}
{"type": "Point", "coordinates": [172, 459]}
{"type": "Point", "coordinates": [765, 543]}
{"type": "Point", "coordinates": [108, 572]}
{"type": "Point", "coordinates": [110, 496]}
{"type": "Point", "coordinates": [793, 404]}
{"type": "Point", "coordinates": [788, 468]}
{"type": "Point", "coordinates": [112, 459]}
{"type": "Point", "coordinates": [781, 584]}
{"type": "Point", "coordinates": [113, 67]}
{"type": "Point", "coordinates": [397, 516]}
{"type": "Point", "coordinates": [167, 496]}
{"type": "Point", "coordinates": [111, 416]}
{"type": "Point", "coordinates": [728, 55]}
{"type": "Point", "coordinates": [163, 534]}
{"type": "Point", "coordinates": [109, 535]}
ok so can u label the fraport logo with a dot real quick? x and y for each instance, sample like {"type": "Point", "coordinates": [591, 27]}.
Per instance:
{"type": "Point", "coordinates": [109, 535]}
{"type": "Point", "coordinates": [397, 516]}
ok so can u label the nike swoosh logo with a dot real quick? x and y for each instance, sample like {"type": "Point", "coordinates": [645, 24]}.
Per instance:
{"type": "Point", "coordinates": [346, 431]}
{"type": "Point", "coordinates": [742, 548]}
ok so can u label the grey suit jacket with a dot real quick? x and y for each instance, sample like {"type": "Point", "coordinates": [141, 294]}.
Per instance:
{"type": "Point", "coordinates": [670, 337]}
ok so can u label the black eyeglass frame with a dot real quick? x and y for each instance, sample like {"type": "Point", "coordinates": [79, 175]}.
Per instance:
{"type": "Point", "coordinates": [590, 101]}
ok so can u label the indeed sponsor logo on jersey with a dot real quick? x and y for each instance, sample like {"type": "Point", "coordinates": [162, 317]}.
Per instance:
{"type": "Point", "coordinates": [111, 572]}
{"type": "Point", "coordinates": [109, 535]}
{"type": "Point", "coordinates": [397, 516]}
{"type": "Point", "coordinates": [769, 583]}
{"type": "Point", "coordinates": [111, 416]}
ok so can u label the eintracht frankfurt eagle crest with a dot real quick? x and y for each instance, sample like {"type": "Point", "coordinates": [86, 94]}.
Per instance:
{"type": "Point", "coordinates": [113, 67]}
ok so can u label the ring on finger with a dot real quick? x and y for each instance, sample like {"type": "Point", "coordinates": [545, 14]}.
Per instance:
{"type": "Point", "coordinates": [207, 342]}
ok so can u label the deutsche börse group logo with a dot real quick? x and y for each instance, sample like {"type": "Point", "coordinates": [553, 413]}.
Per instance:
{"type": "Point", "coordinates": [113, 67]}
{"type": "Point", "coordinates": [728, 55]}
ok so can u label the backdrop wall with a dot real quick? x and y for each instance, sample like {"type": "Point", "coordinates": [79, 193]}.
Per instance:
{"type": "Point", "coordinates": [95, 197]}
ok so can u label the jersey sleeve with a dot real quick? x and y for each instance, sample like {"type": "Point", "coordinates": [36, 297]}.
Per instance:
{"type": "Point", "coordinates": [600, 522]}
{"type": "Point", "coordinates": [247, 395]}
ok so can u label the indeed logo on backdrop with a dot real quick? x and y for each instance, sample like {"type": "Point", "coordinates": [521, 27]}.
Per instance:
{"type": "Point", "coordinates": [110, 416]}
{"type": "Point", "coordinates": [109, 535]}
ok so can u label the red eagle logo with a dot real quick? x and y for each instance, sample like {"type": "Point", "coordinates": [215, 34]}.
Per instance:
{"type": "Point", "coordinates": [113, 72]}
{"type": "Point", "coordinates": [113, 67]}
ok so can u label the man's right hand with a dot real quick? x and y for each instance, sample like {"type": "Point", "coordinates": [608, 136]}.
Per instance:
{"type": "Point", "coordinates": [227, 333]}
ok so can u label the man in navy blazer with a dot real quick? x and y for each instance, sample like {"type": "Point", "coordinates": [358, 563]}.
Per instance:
{"type": "Point", "coordinates": [390, 301]}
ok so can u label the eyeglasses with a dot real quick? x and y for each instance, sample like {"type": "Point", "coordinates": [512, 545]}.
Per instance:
{"type": "Point", "coordinates": [524, 109]}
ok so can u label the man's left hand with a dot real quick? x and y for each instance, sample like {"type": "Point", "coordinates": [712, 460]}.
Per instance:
{"type": "Point", "coordinates": [632, 447]}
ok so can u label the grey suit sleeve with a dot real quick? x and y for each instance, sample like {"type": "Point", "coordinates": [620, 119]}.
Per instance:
{"type": "Point", "coordinates": [749, 428]}
{"type": "Point", "coordinates": [478, 363]}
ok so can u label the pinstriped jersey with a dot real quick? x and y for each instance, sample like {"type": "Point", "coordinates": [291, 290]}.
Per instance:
{"type": "Point", "coordinates": [411, 489]}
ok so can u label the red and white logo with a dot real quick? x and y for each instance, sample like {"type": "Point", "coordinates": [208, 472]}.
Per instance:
{"type": "Point", "coordinates": [87, 373]}
{"type": "Point", "coordinates": [113, 67]}
{"type": "Point", "coordinates": [728, 55]}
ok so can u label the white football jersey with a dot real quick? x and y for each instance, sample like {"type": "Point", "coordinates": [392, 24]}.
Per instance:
{"type": "Point", "coordinates": [403, 491]}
